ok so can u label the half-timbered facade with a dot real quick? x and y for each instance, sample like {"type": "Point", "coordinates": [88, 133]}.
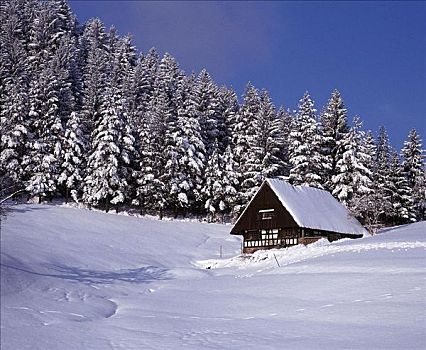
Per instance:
{"type": "Point", "coordinates": [281, 215]}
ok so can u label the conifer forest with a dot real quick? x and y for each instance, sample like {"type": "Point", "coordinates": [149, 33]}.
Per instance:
{"type": "Point", "coordinates": [88, 118]}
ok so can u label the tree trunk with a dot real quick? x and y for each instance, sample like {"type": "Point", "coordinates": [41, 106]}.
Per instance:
{"type": "Point", "coordinates": [160, 214]}
{"type": "Point", "coordinates": [66, 194]}
{"type": "Point", "coordinates": [141, 211]}
{"type": "Point", "coordinates": [107, 204]}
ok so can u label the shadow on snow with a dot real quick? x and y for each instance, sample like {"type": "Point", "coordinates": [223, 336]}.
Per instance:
{"type": "Point", "coordinates": [145, 274]}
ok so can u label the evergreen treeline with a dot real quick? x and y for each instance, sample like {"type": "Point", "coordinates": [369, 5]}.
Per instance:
{"type": "Point", "coordinates": [83, 115]}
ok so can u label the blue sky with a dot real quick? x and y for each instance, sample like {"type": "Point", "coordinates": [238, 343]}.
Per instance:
{"type": "Point", "coordinates": [373, 52]}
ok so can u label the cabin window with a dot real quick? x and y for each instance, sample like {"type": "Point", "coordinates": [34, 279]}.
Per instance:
{"type": "Point", "coordinates": [289, 241]}
{"type": "Point", "coordinates": [266, 214]}
{"type": "Point", "coordinates": [263, 238]}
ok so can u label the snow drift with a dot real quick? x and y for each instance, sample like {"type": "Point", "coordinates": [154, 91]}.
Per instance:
{"type": "Point", "coordinates": [76, 279]}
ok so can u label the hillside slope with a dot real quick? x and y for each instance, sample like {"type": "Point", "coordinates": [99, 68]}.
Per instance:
{"type": "Point", "coordinates": [77, 279]}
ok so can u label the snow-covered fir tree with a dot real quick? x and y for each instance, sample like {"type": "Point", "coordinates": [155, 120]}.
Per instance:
{"type": "Point", "coordinates": [213, 189]}
{"type": "Point", "coordinates": [414, 169]}
{"type": "Point", "coordinates": [43, 160]}
{"type": "Point", "coordinates": [151, 190]}
{"type": "Point", "coordinates": [286, 125]}
{"type": "Point", "coordinates": [230, 182]}
{"type": "Point", "coordinates": [243, 139]}
{"type": "Point", "coordinates": [221, 181]}
{"type": "Point", "coordinates": [110, 156]}
{"type": "Point", "coordinates": [94, 58]}
{"type": "Point", "coordinates": [352, 174]}
{"type": "Point", "coordinates": [227, 115]}
{"type": "Point", "coordinates": [365, 204]}
{"type": "Point", "coordinates": [268, 138]}
{"type": "Point", "coordinates": [334, 127]}
{"type": "Point", "coordinates": [13, 129]}
{"type": "Point", "coordinates": [142, 86]}
{"type": "Point", "coordinates": [304, 143]}
{"type": "Point", "coordinates": [73, 150]}
{"type": "Point", "coordinates": [382, 172]}
{"type": "Point", "coordinates": [123, 57]}
{"type": "Point", "coordinates": [257, 142]}
{"type": "Point", "coordinates": [206, 104]}
{"type": "Point", "coordinates": [189, 146]}
{"type": "Point", "coordinates": [168, 78]}
{"type": "Point", "coordinates": [400, 194]}
{"type": "Point", "coordinates": [14, 104]}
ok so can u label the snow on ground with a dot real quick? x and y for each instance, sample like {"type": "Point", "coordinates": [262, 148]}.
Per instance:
{"type": "Point", "coordinates": [78, 279]}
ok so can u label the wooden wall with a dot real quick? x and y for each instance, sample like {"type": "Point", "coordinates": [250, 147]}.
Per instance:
{"type": "Point", "coordinates": [264, 199]}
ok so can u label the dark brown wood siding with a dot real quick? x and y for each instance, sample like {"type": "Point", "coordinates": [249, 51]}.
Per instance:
{"type": "Point", "coordinates": [252, 219]}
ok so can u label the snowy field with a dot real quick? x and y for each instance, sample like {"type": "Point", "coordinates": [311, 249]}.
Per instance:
{"type": "Point", "coordinates": [76, 279]}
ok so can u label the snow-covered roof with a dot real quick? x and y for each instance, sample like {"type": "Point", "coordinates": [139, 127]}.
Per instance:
{"type": "Point", "coordinates": [314, 208]}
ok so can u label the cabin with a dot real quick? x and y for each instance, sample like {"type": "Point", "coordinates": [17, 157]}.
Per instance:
{"type": "Point", "coordinates": [281, 215]}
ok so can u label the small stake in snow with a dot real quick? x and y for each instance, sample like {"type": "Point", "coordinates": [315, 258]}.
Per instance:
{"type": "Point", "coordinates": [220, 252]}
{"type": "Point", "coordinates": [276, 260]}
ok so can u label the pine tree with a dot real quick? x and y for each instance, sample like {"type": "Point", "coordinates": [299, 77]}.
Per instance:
{"type": "Point", "coordinates": [221, 180]}
{"type": "Point", "coordinates": [43, 161]}
{"type": "Point", "coordinates": [112, 153]}
{"type": "Point", "coordinates": [366, 203]}
{"type": "Point", "coordinates": [74, 148]}
{"type": "Point", "coordinates": [268, 138]}
{"type": "Point", "coordinates": [243, 139]}
{"type": "Point", "coordinates": [353, 176]}
{"type": "Point", "coordinates": [168, 79]}
{"type": "Point", "coordinates": [142, 86]}
{"type": "Point", "coordinates": [123, 59]}
{"type": "Point", "coordinates": [400, 198]}
{"type": "Point", "coordinates": [13, 93]}
{"type": "Point", "coordinates": [305, 147]}
{"type": "Point", "coordinates": [382, 173]}
{"type": "Point", "coordinates": [190, 146]}
{"type": "Point", "coordinates": [64, 24]}
{"type": "Point", "coordinates": [414, 169]}
{"type": "Point", "coordinates": [286, 124]}
{"type": "Point", "coordinates": [94, 63]}
{"type": "Point", "coordinates": [109, 161]}
{"type": "Point", "coordinates": [64, 65]}
{"type": "Point", "coordinates": [13, 38]}
{"type": "Point", "coordinates": [13, 129]}
{"type": "Point", "coordinates": [256, 142]}
{"type": "Point", "coordinates": [213, 190]}
{"type": "Point", "coordinates": [159, 166]}
{"type": "Point", "coordinates": [206, 104]}
{"type": "Point", "coordinates": [230, 183]}
{"type": "Point", "coordinates": [227, 115]}
{"type": "Point", "coordinates": [151, 190]}
{"type": "Point", "coordinates": [334, 128]}
{"type": "Point", "coordinates": [14, 104]}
